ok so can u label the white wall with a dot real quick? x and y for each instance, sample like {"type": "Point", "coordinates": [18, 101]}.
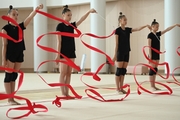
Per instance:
{"type": "Point", "coordinates": [138, 12]}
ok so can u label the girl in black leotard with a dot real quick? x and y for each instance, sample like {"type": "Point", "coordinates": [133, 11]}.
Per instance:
{"type": "Point", "coordinates": [66, 46]}
{"type": "Point", "coordinates": [154, 42]}
{"type": "Point", "coordinates": [122, 50]}
{"type": "Point", "coordinates": [12, 53]}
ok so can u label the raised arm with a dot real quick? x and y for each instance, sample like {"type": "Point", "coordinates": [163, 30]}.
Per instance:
{"type": "Point", "coordinates": [4, 49]}
{"type": "Point", "coordinates": [85, 16]}
{"type": "Point", "coordinates": [140, 28]}
{"type": "Point", "coordinates": [168, 29]}
{"type": "Point", "coordinates": [31, 15]}
{"type": "Point", "coordinates": [116, 48]}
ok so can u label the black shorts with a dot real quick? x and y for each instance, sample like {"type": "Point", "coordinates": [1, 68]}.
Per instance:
{"type": "Point", "coordinates": [122, 57]}
{"type": "Point", "coordinates": [69, 54]}
{"type": "Point", "coordinates": [15, 56]}
{"type": "Point", "coordinates": [155, 56]}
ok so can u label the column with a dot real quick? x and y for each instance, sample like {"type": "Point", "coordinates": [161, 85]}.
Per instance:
{"type": "Point", "coordinates": [172, 38]}
{"type": "Point", "coordinates": [40, 27]}
{"type": "Point", "coordinates": [98, 27]}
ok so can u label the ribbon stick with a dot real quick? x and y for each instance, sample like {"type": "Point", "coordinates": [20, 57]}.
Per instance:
{"type": "Point", "coordinates": [167, 76]}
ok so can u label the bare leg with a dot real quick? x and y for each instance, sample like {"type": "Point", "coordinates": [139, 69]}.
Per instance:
{"type": "Point", "coordinates": [68, 79]}
{"type": "Point", "coordinates": [62, 78]}
{"type": "Point", "coordinates": [122, 78]}
{"type": "Point", "coordinates": [156, 88]}
{"type": "Point", "coordinates": [10, 87]}
{"type": "Point", "coordinates": [13, 84]}
{"type": "Point", "coordinates": [7, 86]}
{"type": "Point", "coordinates": [17, 67]}
{"type": "Point", "coordinates": [153, 77]}
{"type": "Point", "coordinates": [121, 82]}
{"type": "Point", "coordinates": [118, 78]}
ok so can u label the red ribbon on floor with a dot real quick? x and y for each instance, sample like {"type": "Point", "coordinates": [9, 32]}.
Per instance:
{"type": "Point", "coordinates": [30, 107]}
{"type": "Point", "coordinates": [97, 96]}
{"type": "Point", "coordinates": [167, 76]}
{"type": "Point", "coordinates": [68, 61]}
{"type": "Point", "coordinates": [95, 76]}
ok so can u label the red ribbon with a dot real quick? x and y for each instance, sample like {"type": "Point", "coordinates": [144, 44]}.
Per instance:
{"type": "Point", "coordinates": [95, 76]}
{"type": "Point", "coordinates": [67, 60]}
{"type": "Point", "coordinates": [30, 108]}
{"type": "Point", "coordinates": [19, 28]}
{"type": "Point", "coordinates": [98, 96]}
{"type": "Point", "coordinates": [175, 80]}
{"type": "Point", "coordinates": [3, 96]}
{"type": "Point", "coordinates": [72, 64]}
{"type": "Point", "coordinates": [178, 51]}
{"type": "Point", "coordinates": [167, 76]}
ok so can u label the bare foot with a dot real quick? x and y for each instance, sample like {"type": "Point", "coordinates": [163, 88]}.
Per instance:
{"type": "Point", "coordinates": [70, 97]}
{"type": "Point", "coordinates": [123, 91]}
{"type": "Point", "coordinates": [13, 102]}
{"type": "Point", "coordinates": [155, 88]}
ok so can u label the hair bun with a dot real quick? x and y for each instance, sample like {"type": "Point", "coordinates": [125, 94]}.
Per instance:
{"type": "Point", "coordinates": [66, 6]}
{"type": "Point", "coordinates": [10, 7]}
{"type": "Point", "coordinates": [120, 13]}
{"type": "Point", "coordinates": [154, 20]}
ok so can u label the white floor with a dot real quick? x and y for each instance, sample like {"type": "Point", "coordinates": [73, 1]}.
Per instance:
{"type": "Point", "coordinates": [134, 107]}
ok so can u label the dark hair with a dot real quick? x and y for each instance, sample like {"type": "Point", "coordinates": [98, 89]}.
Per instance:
{"type": "Point", "coordinates": [121, 16]}
{"type": "Point", "coordinates": [11, 8]}
{"type": "Point", "coordinates": [65, 9]}
{"type": "Point", "coordinates": [154, 22]}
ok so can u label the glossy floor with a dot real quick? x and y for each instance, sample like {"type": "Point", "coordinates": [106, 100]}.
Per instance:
{"type": "Point", "coordinates": [134, 107]}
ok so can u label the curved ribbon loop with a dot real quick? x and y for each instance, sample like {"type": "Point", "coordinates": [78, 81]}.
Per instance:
{"type": "Point", "coordinates": [19, 30]}
{"type": "Point", "coordinates": [95, 76]}
{"type": "Point", "coordinates": [175, 80]}
{"type": "Point", "coordinates": [166, 77]}
{"type": "Point", "coordinates": [12, 95]}
{"type": "Point", "coordinates": [21, 77]}
{"type": "Point", "coordinates": [66, 61]}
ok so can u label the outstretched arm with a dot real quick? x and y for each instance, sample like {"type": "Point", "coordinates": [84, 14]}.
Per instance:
{"type": "Point", "coordinates": [168, 29]}
{"type": "Point", "coordinates": [85, 16]}
{"type": "Point", "coordinates": [31, 15]}
{"type": "Point", "coordinates": [140, 28]}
